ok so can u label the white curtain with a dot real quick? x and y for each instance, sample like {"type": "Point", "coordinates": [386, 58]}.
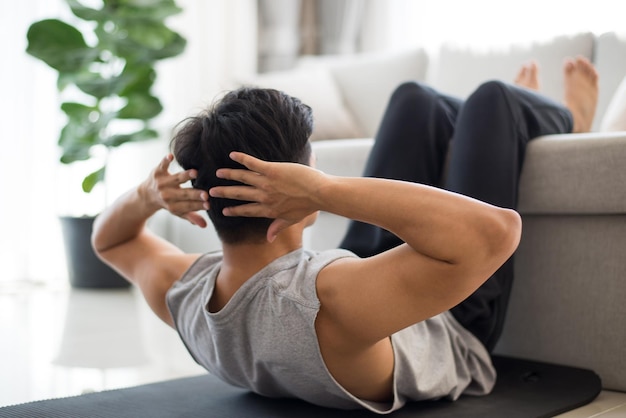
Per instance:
{"type": "Point", "coordinates": [29, 247]}
{"type": "Point", "coordinates": [482, 24]}
{"type": "Point", "coordinates": [34, 188]}
{"type": "Point", "coordinates": [279, 33]}
{"type": "Point", "coordinates": [339, 26]}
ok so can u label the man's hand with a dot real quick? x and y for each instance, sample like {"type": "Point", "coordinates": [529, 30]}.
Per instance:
{"type": "Point", "coordinates": [285, 192]}
{"type": "Point", "coordinates": [163, 190]}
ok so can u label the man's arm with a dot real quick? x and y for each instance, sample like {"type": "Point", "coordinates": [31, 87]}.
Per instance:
{"type": "Point", "coordinates": [121, 239]}
{"type": "Point", "coordinates": [453, 243]}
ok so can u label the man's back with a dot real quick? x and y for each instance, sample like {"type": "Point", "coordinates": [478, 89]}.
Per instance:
{"type": "Point", "coordinates": [265, 338]}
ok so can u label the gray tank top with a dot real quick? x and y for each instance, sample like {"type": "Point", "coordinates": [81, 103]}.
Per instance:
{"type": "Point", "coordinates": [264, 338]}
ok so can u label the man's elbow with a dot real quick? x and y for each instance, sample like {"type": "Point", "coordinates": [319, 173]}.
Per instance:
{"type": "Point", "coordinates": [98, 242]}
{"type": "Point", "coordinates": [505, 234]}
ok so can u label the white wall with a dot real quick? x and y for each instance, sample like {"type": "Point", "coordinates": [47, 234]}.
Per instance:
{"type": "Point", "coordinates": [488, 23]}
{"type": "Point", "coordinates": [34, 188]}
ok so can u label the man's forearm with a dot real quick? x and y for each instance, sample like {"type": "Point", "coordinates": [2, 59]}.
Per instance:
{"type": "Point", "coordinates": [122, 221]}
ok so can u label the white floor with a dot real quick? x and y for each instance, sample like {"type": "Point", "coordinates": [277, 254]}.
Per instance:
{"type": "Point", "coordinates": [57, 342]}
{"type": "Point", "coordinates": [61, 342]}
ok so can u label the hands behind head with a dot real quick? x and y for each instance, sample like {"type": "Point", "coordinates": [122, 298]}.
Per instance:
{"type": "Point", "coordinates": [165, 190]}
{"type": "Point", "coordinates": [285, 192]}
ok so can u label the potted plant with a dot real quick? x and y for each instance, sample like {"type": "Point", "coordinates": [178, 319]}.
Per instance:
{"type": "Point", "coordinates": [106, 71]}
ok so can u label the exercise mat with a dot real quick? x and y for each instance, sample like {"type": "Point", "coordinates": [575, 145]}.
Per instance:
{"type": "Point", "coordinates": [525, 389]}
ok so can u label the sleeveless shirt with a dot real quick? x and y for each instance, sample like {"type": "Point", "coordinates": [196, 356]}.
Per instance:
{"type": "Point", "coordinates": [264, 338]}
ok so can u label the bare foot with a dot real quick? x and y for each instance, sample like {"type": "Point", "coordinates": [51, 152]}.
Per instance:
{"type": "Point", "coordinates": [581, 92]}
{"type": "Point", "coordinates": [528, 76]}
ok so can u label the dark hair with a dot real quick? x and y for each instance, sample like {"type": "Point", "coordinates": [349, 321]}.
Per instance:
{"type": "Point", "coordinates": [265, 123]}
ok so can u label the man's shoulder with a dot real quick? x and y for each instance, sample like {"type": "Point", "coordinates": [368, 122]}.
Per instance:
{"type": "Point", "coordinates": [320, 260]}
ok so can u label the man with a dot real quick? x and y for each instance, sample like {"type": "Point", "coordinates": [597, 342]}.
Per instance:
{"type": "Point", "coordinates": [331, 328]}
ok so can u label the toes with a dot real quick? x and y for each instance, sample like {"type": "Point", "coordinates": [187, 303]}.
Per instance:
{"type": "Point", "coordinates": [521, 75]}
{"type": "Point", "coordinates": [585, 67]}
{"type": "Point", "coordinates": [528, 75]}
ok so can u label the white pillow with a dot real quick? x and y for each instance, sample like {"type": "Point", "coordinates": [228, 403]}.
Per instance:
{"type": "Point", "coordinates": [368, 80]}
{"type": "Point", "coordinates": [615, 116]}
{"type": "Point", "coordinates": [462, 69]}
{"type": "Point", "coordinates": [316, 88]}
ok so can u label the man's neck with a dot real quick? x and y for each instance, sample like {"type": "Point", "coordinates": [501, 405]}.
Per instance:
{"type": "Point", "coordinates": [256, 255]}
{"type": "Point", "coordinates": [242, 261]}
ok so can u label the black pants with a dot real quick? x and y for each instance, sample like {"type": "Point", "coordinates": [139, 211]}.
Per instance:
{"type": "Point", "coordinates": [475, 148]}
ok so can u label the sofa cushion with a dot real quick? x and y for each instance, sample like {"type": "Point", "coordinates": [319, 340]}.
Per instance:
{"type": "Point", "coordinates": [614, 118]}
{"type": "Point", "coordinates": [610, 61]}
{"type": "Point", "coordinates": [458, 71]}
{"type": "Point", "coordinates": [367, 80]}
{"type": "Point", "coordinates": [317, 88]}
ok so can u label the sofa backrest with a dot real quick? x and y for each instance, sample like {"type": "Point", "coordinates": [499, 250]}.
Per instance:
{"type": "Point", "coordinates": [458, 71]}
{"type": "Point", "coordinates": [610, 59]}
{"type": "Point", "coordinates": [367, 81]}
{"type": "Point", "coordinates": [349, 93]}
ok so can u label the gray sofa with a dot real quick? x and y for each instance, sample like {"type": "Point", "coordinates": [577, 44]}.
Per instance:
{"type": "Point", "coordinates": [569, 297]}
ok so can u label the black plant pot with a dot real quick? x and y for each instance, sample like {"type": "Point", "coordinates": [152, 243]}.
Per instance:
{"type": "Point", "coordinates": [85, 269]}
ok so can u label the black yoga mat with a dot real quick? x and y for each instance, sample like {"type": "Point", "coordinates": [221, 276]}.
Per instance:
{"type": "Point", "coordinates": [525, 389]}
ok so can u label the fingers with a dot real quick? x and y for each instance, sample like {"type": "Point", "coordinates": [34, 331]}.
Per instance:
{"type": "Point", "coordinates": [196, 219]}
{"type": "Point", "coordinates": [167, 179]}
{"type": "Point", "coordinates": [248, 161]}
{"type": "Point", "coordinates": [165, 162]}
{"type": "Point", "coordinates": [184, 194]}
{"type": "Point", "coordinates": [179, 178]}
{"type": "Point", "coordinates": [247, 193]}
{"type": "Point", "coordinates": [178, 200]}
{"type": "Point", "coordinates": [182, 201]}
{"type": "Point", "coordinates": [248, 177]}
{"type": "Point", "coordinates": [248, 210]}
{"type": "Point", "coordinates": [275, 228]}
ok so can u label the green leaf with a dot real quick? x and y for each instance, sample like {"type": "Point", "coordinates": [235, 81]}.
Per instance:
{"type": "Point", "coordinates": [156, 10]}
{"type": "Point", "coordinates": [71, 155]}
{"type": "Point", "coordinates": [98, 86]}
{"type": "Point", "coordinates": [59, 45]}
{"type": "Point", "coordinates": [77, 111]}
{"type": "Point", "coordinates": [92, 179]}
{"type": "Point", "coordinates": [143, 135]}
{"type": "Point", "coordinates": [140, 106]}
{"type": "Point", "coordinates": [151, 35]}
{"type": "Point", "coordinates": [140, 78]}
{"type": "Point", "coordinates": [175, 47]}
{"type": "Point", "coordinates": [83, 12]}
{"type": "Point", "coordinates": [80, 133]}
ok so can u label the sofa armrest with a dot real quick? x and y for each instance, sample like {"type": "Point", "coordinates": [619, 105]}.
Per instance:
{"type": "Point", "coordinates": [568, 299]}
{"type": "Point", "coordinates": [574, 174]}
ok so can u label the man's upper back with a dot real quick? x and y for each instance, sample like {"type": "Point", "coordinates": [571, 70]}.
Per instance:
{"type": "Point", "coordinates": [264, 339]}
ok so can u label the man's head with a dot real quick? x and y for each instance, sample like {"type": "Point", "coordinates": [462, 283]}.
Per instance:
{"type": "Point", "coordinates": [265, 123]}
